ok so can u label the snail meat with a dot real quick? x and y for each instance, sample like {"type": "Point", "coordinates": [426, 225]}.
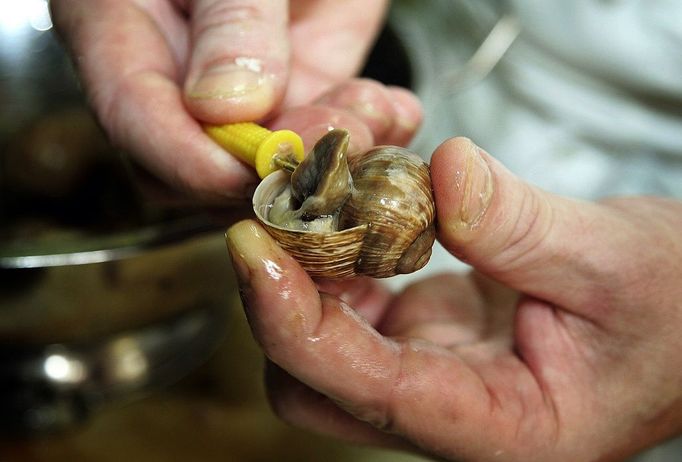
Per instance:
{"type": "Point", "coordinates": [369, 215]}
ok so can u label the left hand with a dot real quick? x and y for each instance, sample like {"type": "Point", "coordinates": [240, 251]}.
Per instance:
{"type": "Point", "coordinates": [152, 69]}
{"type": "Point", "coordinates": [573, 354]}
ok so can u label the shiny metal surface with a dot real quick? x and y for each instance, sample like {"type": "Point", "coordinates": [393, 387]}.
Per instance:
{"type": "Point", "coordinates": [42, 113]}
{"type": "Point", "coordinates": [106, 291]}
{"type": "Point", "coordinates": [43, 389]}
{"type": "Point", "coordinates": [80, 250]}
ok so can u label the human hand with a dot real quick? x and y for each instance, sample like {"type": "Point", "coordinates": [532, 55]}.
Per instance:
{"type": "Point", "coordinates": [151, 69]}
{"type": "Point", "coordinates": [573, 354]}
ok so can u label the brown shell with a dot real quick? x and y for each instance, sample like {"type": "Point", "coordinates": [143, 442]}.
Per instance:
{"type": "Point", "coordinates": [388, 219]}
{"type": "Point", "coordinates": [393, 195]}
{"type": "Point", "coordinates": [329, 255]}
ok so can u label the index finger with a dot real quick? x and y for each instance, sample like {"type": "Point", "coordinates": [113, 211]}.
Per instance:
{"type": "Point", "coordinates": [320, 340]}
{"type": "Point", "coordinates": [135, 93]}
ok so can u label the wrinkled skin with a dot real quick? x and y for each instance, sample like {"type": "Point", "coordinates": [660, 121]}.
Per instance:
{"type": "Point", "coordinates": [573, 353]}
{"type": "Point", "coordinates": [141, 64]}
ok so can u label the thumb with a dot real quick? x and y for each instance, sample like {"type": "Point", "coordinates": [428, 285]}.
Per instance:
{"type": "Point", "coordinates": [238, 60]}
{"type": "Point", "coordinates": [560, 250]}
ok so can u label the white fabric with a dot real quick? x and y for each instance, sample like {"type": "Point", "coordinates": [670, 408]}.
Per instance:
{"type": "Point", "coordinates": [587, 102]}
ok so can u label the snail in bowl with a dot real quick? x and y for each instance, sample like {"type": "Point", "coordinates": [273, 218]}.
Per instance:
{"type": "Point", "coordinates": [370, 215]}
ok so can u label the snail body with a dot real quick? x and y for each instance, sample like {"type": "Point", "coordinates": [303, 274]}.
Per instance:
{"type": "Point", "coordinates": [372, 215]}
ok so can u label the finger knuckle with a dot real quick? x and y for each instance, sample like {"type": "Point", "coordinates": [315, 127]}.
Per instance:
{"type": "Point", "coordinates": [380, 409]}
{"type": "Point", "coordinates": [533, 223]}
{"type": "Point", "coordinates": [219, 14]}
{"type": "Point", "coordinates": [226, 32]}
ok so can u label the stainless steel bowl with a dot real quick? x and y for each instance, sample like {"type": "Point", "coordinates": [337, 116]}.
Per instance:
{"type": "Point", "coordinates": [104, 292]}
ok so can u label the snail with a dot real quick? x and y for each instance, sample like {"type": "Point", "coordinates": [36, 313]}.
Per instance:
{"type": "Point", "coordinates": [370, 215]}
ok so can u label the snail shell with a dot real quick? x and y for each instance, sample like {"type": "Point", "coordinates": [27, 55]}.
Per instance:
{"type": "Point", "coordinates": [383, 225]}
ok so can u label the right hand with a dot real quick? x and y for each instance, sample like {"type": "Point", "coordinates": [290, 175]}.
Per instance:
{"type": "Point", "coordinates": [563, 345]}
{"type": "Point", "coordinates": [151, 69]}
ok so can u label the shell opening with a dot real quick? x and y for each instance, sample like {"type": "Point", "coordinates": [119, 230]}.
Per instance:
{"type": "Point", "coordinates": [418, 253]}
{"type": "Point", "coordinates": [319, 187]}
{"type": "Point", "coordinates": [377, 222]}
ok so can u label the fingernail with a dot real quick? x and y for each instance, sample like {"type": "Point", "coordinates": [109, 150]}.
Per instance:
{"type": "Point", "coordinates": [227, 81]}
{"type": "Point", "coordinates": [241, 269]}
{"type": "Point", "coordinates": [475, 186]}
{"type": "Point", "coordinates": [405, 117]}
{"type": "Point", "coordinates": [406, 124]}
{"type": "Point", "coordinates": [251, 251]}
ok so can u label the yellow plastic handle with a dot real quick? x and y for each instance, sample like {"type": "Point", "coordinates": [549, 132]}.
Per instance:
{"type": "Point", "coordinates": [257, 146]}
